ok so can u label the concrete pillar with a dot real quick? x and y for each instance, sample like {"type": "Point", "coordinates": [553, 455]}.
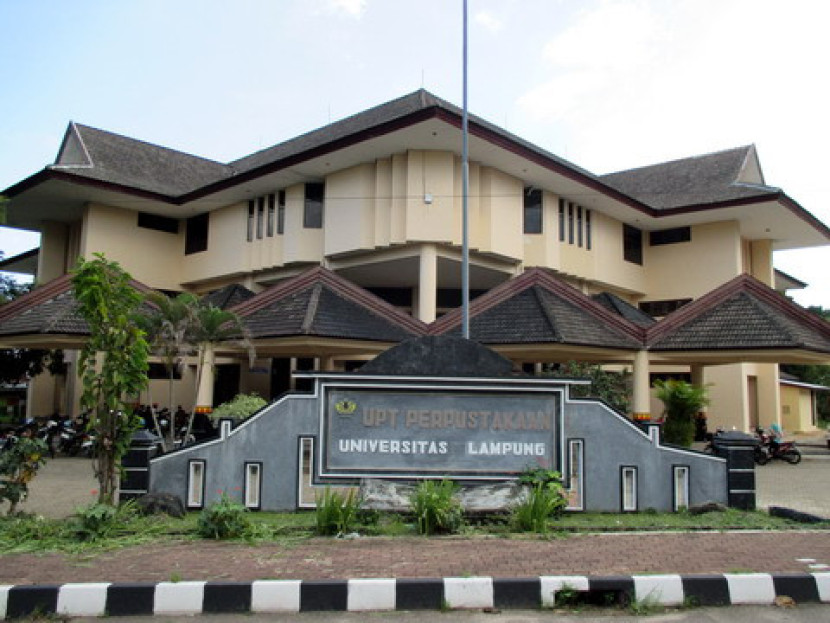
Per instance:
{"type": "Point", "coordinates": [327, 363]}
{"type": "Point", "coordinates": [427, 283]}
{"type": "Point", "coordinates": [641, 407]}
{"type": "Point", "coordinates": [204, 393]}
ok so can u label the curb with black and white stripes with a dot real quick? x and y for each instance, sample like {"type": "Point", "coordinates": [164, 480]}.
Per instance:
{"type": "Point", "coordinates": [386, 594]}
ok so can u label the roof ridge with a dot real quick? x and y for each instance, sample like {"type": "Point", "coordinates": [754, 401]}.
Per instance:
{"type": "Point", "coordinates": [36, 296]}
{"type": "Point", "coordinates": [313, 306]}
{"type": "Point", "coordinates": [550, 317]}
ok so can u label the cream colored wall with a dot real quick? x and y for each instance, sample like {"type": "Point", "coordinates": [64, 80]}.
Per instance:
{"type": "Point", "coordinates": [299, 243]}
{"type": "Point", "coordinates": [761, 261]}
{"type": "Point", "coordinates": [728, 394]}
{"type": "Point", "coordinates": [607, 252]}
{"type": "Point", "coordinates": [350, 210]}
{"type": "Point", "coordinates": [796, 409]}
{"type": "Point", "coordinates": [52, 258]}
{"type": "Point", "coordinates": [714, 251]}
{"type": "Point", "coordinates": [496, 217]}
{"type": "Point", "coordinates": [228, 251]}
{"type": "Point", "coordinates": [151, 257]}
{"type": "Point", "coordinates": [431, 172]}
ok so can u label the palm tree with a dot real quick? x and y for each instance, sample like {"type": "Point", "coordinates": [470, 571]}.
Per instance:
{"type": "Point", "coordinates": [170, 330]}
{"type": "Point", "coordinates": [214, 325]}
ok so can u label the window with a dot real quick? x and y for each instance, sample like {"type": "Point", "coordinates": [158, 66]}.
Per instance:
{"type": "Point", "coordinates": [260, 217]}
{"type": "Point", "coordinates": [281, 212]}
{"type": "Point", "coordinates": [570, 223]}
{"type": "Point", "coordinates": [657, 309]}
{"type": "Point", "coordinates": [195, 484]}
{"type": "Point", "coordinates": [632, 245]}
{"type": "Point", "coordinates": [681, 487]}
{"type": "Point", "coordinates": [158, 223]}
{"type": "Point", "coordinates": [159, 371]}
{"type": "Point", "coordinates": [313, 208]}
{"type": "Point", "coordinates": [271, 214]}
{"type": "Point", "coordinates": [251, 208]}
{"type": "Point", "coordinates": [305, 494]}
{"type": "Point", "coordinates": [588, 229]}
{"type": "Point", "coordinates": [561, 220]}
{"type": "Point", "coordinates": [196, 235]}
{"type": "Point", "coordinates": [670, 236]}
{"type": "Point", "coordinates": [579, 226]}
{"type": "Point", "coordinates": [576, 476]}
{"type": "Point", "coordinates": [629, 488]}
{"type": "Point", "coordinates": [253, 484]}
{"type": "Point", "coordinates": [532, 210]}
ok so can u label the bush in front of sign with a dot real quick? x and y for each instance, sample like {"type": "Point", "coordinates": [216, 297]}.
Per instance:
{"type": "Point", "coordinates": [436, 507]}
{"type": "Point", "coordinates": [544, 499]}
{"type": "Point", "coordinates": [336, 512]}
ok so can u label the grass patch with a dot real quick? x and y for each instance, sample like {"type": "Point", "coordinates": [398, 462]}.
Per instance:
{"type": "Point", "coordinates": [32, 534]}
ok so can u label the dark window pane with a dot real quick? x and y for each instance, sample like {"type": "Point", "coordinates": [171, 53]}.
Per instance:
{"type": "Point", "coordinates": [281, 212]}
{"type": "Point", "coordinates": [561, 220]}
{"type": "Point", "coordinates": [196, 236]}
{"type": "Point", "coordinates": [632, 245]}
{"type": "Point", "coordinates": [670, 236]}
{"type": "Point", "coordinates": [663, 308]}
{"type": "Point", "coordinates": [158, 223]}
{"type": "Point", "coordinates": [579, 226]}
{"type": "Point", "coordinates": [250, 220]}
{"type": "Point", "coordinates": [313, 209]}
{"type": "Point", "coordinates": [570, 223]}
{"type": "Point", "coordinates": [532, 211]}
{"type": "Point", "coordinates": [588, 229]}
{"type": "Point", "coordinates": [260, 216]}
{"type": "Point", "coordinates": [271, 214]}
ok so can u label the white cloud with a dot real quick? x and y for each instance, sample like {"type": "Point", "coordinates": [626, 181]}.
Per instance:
{"type": "Point", "coordinates": [488, 21]}
{"type": "Point", "coordinates": [355, 8]}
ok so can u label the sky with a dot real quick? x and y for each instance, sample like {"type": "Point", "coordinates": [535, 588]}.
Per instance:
{"type": "Point", "coordinates": [607, 84]}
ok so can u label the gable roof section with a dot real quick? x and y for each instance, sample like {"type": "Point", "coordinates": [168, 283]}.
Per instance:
{"type": "Point", "coordinates": [742, 314]}
{"type": "Point", "coordinates": [229, 296]}
{"type": "Point", "coordinates": [623, 308]}
{"type": "Point", "coordinates": [50, 309]}
{"type": "Point", "coordinates": [320, 303]}
{"type": "Point", "coordinates": [107, 157]}
{"type": "Point", "coordinates": [697, 181]}
{"type": "Point", "coordinates": [536, 307]}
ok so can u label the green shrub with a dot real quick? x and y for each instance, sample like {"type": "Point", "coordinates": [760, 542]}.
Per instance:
{"type": "Point", "coordinates": [682, 403]}
{"type": "Point", "coordinates": [100, 521]}
{"type": "Point", "coordinates": [240, 407]}
{"type": "Point", "coordinates": [225, 519]}
{"type": "Point", "coordinates": [544, 500]}
{"type": "Point", "coordinates": [436, 507]}
{"type": "Point", "coordinates": [336, 513]}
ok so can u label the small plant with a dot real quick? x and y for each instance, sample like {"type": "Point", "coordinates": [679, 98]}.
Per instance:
{"type": "Point", "coordinates": [544, 500]}
{"type": "Point", "coordinates": [336, 512]}
{"type": "Point", "coordinates": [567, 597]}
{"type": "Point", "coordinates": [436, 507]}
{"type": "Point", "coordinates": [225, 519]}
{"type": "Point", "coordinates": [18, 465]}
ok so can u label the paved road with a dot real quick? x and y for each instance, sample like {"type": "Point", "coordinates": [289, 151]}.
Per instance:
{"type": "Point", "coordinates": [736, 614]}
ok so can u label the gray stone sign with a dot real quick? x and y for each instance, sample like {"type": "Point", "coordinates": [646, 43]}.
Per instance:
{"type": "Point", "coordinates": [427, 432]}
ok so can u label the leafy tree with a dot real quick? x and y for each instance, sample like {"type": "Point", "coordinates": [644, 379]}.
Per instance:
{"type": "Point", "coordinates": [113, 364]}
{"type": "Point", "coordinates": [18, 465]}
{"type": "Point", "coordinates": [682, 403]}
{"type": "Point", "coordinates": [614, 388]}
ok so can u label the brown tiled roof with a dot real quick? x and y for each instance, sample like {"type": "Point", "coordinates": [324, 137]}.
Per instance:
{"type": "Point", "coordinates": [537, 307]}
{"type": "Point", "coordinates": [50, 309]}
{"type": "Point", "coordinates": [625, 309]}
{"type": "Point", "coordinates": [696, 181]}
{"type": "Point", "coordinates": [319, 302]}
{"type": "Point", "coordinates": [742, 314]}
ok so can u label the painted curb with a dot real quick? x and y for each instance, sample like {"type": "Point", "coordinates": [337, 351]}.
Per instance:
{"type": "Point", "coordinates": [388, 594]}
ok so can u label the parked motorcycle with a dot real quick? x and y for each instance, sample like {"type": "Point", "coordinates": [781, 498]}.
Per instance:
{"type": "Point", "coordinates": [770, 447]}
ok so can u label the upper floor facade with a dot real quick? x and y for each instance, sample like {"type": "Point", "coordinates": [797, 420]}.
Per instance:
{"type": "Point", "coordinates": [378, 198]}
